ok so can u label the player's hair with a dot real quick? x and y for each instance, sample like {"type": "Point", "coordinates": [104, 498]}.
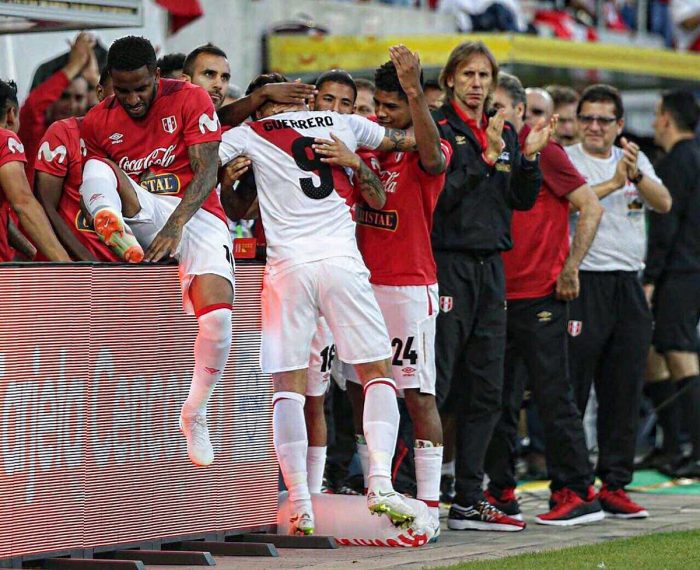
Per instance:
{"type": "Point", "coordinates": [683, 108]}
{"type": "Point", "coordinates": [209, 48]}
{"type": "Point", "coordinates": [362, 83]}
{"type": "Point", "coordinates": [263, 79]}
{"type": "Point", "coordinates": [104, 76]}
{"type": "Point", "coordinates": [461, 54]}
{"type": "Point", "coordinates": [602, 93]}
{"type": "Point", "coordinates": [431, 84]}
{"type": "Point", "coordinates": [562, 95]}
{"type": "Point", "coordinates": [131, 53]}
{"type": "Point", "coordinates": [338, 76]}
{"type": "Point", "coordinates": [387, 79]}
{"type": "Point", "coordinates": [512, 85]}
{"type": "Point", "coordinates": [8, 96]}
{"type": "Point", "coordinates": [169, 63]}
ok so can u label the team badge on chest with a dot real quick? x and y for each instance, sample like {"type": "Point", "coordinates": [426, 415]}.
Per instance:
{"type": "Point", "coordinates": [574, 328]}
{"type": "Point", "coordinates": [445, 304]}
{"type": "Point", "coordinates": [169, 124]}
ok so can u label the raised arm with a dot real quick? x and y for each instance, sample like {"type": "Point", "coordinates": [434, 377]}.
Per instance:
{"type": "Point", "coordinates": [204, 160]}
{"type": "Point", "coordinates": [239, 111]}
{"type": "Point", "coordinates": [425, 130]}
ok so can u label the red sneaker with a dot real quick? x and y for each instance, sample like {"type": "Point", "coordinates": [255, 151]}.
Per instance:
{"type": "Point", "coordinates": [568, 509]}
{"type": "Point", "coordinates": [618, 504]}
{"type": "Point", "coordinates": [506, 502]}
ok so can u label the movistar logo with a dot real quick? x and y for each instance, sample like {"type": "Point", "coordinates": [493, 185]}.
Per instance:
{"type": "Point", "coordinates": [207, 123]}
{"type": "Point", "coordinates": [48, 154]}
{"type": "Point", "coordinates": [14, 145]}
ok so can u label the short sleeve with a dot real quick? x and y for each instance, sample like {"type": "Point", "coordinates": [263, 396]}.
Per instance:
{"type": "Point", "coordinates": [198, 113]}
{"type": "Point", "coordinates": [559, 173]}
{"type": "Point", "coordinates": [52, 157]}
{"type": "Point", "coordinates": [87, 132]}
{"type": "Point", "coordinates": [233, 143]}
{"type": "Point", "coordinates": [645, 166]}
{"type": "Point", "coordinates": [11, 149]}
{"type": "Point", "coordinates": [367, 133]}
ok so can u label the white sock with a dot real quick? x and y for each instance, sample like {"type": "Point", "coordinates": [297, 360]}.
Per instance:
{"type": "Point", "coordinates": [448, 468]}
{"type": "Point", "coordinates": [428, 466]}
{"type": "Point", "coordinates": [211, 350]}
{"type": "Point", "coordinates": [381, 425]}
{"type": "Point", "coordinates": [99, 188]}
{"type": "Point", "coordinates": [363, 452]}
{"type": "Point", "coordinates": [289, 434]}
{"type": "Point", "coordinates": [315, 465]}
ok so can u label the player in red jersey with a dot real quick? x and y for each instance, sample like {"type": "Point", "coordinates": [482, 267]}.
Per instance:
{"type": "Point", "coordinates": [15, 192]}
{"type": "Point", "coordinates": [58, 176]}
{"type": "Point", "coordinates": [208, 67]}
{"type": "Point", "coordinates": [161, 138]}
{"type": "Point", "coordinates": [395, 244]}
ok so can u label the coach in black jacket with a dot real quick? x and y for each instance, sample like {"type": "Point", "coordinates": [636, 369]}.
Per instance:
{"type": "Point", "coordinates": [487, 179]}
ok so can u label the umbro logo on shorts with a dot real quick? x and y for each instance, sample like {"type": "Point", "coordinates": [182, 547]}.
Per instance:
{"type": "Point", "coordinates": [445, 304]}
{"type": "Point", "coordinates": [574, 328]}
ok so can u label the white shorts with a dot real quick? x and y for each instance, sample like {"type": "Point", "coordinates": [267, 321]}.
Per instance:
{"type": "Point", "coordinates": [205, 247]}
{"type": "Point", "coordinates": [321, 360]}
{"type": "Point", "coordinates": [410, 313]}
{"type": "Point", "coordinates": [336, 288]}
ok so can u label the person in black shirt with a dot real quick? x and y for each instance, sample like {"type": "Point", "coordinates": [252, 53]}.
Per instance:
{"type": "Point", "coordinates": [487, 179]}
{"type": "Point", "coordinates": [672, 281]}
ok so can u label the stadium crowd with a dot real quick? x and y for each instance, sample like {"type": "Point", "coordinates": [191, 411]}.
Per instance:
{"type": "Point", "coordinates": [474, 241]}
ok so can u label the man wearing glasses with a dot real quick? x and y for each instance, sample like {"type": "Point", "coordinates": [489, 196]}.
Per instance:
{"type": "Point", "coordinates": [610, 323]}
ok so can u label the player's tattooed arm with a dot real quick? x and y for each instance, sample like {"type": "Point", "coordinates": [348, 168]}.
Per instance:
{"type": "Point", "coordinates": [370, 186]}
{"type": "Point", "coordinates": [293, 92]}
{"type": "Point", "coordinates": [398, 139]}
{"type": "Point", "coordinates": [204, 161]}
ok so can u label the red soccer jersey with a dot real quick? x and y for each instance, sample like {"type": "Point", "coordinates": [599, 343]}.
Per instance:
{"type": "Point", "coordinates": [541, 235]}
{"type": "Point", "coordinates": [181, 115]}
{"type": "Point", "coordinates": [395, 241]}
{"type": "Point", "coordinates": [11, 150]}
{"type": "Point", "coordinates": [61, 153]}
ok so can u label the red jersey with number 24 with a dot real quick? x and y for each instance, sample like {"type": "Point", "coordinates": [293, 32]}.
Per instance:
{"type": "Point", "coordinates": [153, 150]}
{"type": "Point", "coordinates": [395, 241]}
{"type": "Point", "coordinates": [11, 150]}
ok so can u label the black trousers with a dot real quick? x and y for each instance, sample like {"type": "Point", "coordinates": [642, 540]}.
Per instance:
{"type": "Point", "coordinates": [470, 345]}
{"type": "Point", "coordinates": [536, 335]}
{"type": "Point", "coordinates": [609, 336]}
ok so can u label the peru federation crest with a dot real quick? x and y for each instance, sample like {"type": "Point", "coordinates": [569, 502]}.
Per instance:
{"type": "Point", "coordinates": [445, 304]}
{"type": "Point", "coordinates": [574, 328]}
{"type": "Point", "coordinates": [169, 124]}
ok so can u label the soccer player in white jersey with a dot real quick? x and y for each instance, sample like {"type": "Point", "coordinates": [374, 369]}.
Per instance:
{"type": "Point", "coordinates": [314, 268]}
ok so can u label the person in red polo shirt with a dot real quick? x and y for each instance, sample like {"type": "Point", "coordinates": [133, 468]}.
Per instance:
{"type": "Point", "coordinates": [541, 276]}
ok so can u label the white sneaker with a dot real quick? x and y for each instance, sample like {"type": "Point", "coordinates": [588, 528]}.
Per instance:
{"type": "Point", "coordinates": [301, 524]}
{"type": "Point", "coordinates": [199, 448]}
{"type": "Point", "coordinates": [393, 505]}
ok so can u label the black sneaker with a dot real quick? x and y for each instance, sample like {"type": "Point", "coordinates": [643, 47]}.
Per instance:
{"type": "Point", "coordinates": [688, 470]}
{"type": "Point", "coordinates": [481, 516]}
{"type": "Point", "coordinates": [568, 509]}
{"type": "Point", "coordinates": [506, 502]}
{"type": "Point", "coordinates": [447, 489]}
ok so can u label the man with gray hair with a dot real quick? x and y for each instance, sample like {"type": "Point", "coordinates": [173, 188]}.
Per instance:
{"type": "Point", "coordinates": [541, 276]}
{"type": "Point", "coordinates": [565, 100]}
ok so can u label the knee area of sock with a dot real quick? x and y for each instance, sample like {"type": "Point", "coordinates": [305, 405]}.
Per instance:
{"type": "Point", "coordinates": [216, 326]}
{"type": "Point", "coordinates": [380, 382]}
{"type": "Point", "coordinates": [99, 171]}
{"type": "Point", "coordinates": [291, 396]}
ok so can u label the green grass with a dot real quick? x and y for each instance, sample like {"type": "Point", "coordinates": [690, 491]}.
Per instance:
{"type": "Point", "coordinates": [670, 551]}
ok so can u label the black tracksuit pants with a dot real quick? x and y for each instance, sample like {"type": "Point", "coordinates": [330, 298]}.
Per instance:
{"type": "Point", "coordinates": [609, 336]}
{"type": "Point", "coordinates": [536, 334]}
{"type": "Point", "coordinates": [469, 347]}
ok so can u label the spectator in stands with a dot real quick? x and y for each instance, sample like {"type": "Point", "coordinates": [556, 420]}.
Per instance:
{"type": "Point", "coordinates": [672, 280]}
{"type": "Point", "coordinates": [660, 21]}
{"type": "Point", "coordinates": [686, 23]}
{"type": "Point", "coordinates": [15, 192]}
{"type": "Point", "coordinates": [565, 100]}
{"type": "Point", "coordinates": [610, 322]}
{"type": "Point", "coordinates": [541, 276]}
{"type": "Point", "coordinates": [485, 15]}
{"type": "Point", "coordinates": [63, 95]}
{"type": "Point", "coordinates": [171, 65]}
{"type": "Point", "coordinates": [434, 94]}
{"type": "Point", "coordinates": [57, 180]}
{"type": "Point", "coordinates": [364, 104]}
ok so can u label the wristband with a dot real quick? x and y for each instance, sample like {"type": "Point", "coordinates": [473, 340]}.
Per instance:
{"type": "Point", "coordinates": [637, 179]}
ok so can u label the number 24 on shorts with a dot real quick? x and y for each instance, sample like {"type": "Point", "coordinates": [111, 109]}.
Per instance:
{"type": "Point", "coordinates": [407, 354]}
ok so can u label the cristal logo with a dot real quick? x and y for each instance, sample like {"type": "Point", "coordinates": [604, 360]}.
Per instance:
{"type": "Point", "coordinates": [161, 156]}
{"type": "Point", "coordinates": [47, 153]}
{"type": "Point", "coordinates": [49, 421]}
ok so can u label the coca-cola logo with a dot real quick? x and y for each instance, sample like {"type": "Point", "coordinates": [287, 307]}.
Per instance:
{"type": "Point", "coordinates": [161, 156]}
